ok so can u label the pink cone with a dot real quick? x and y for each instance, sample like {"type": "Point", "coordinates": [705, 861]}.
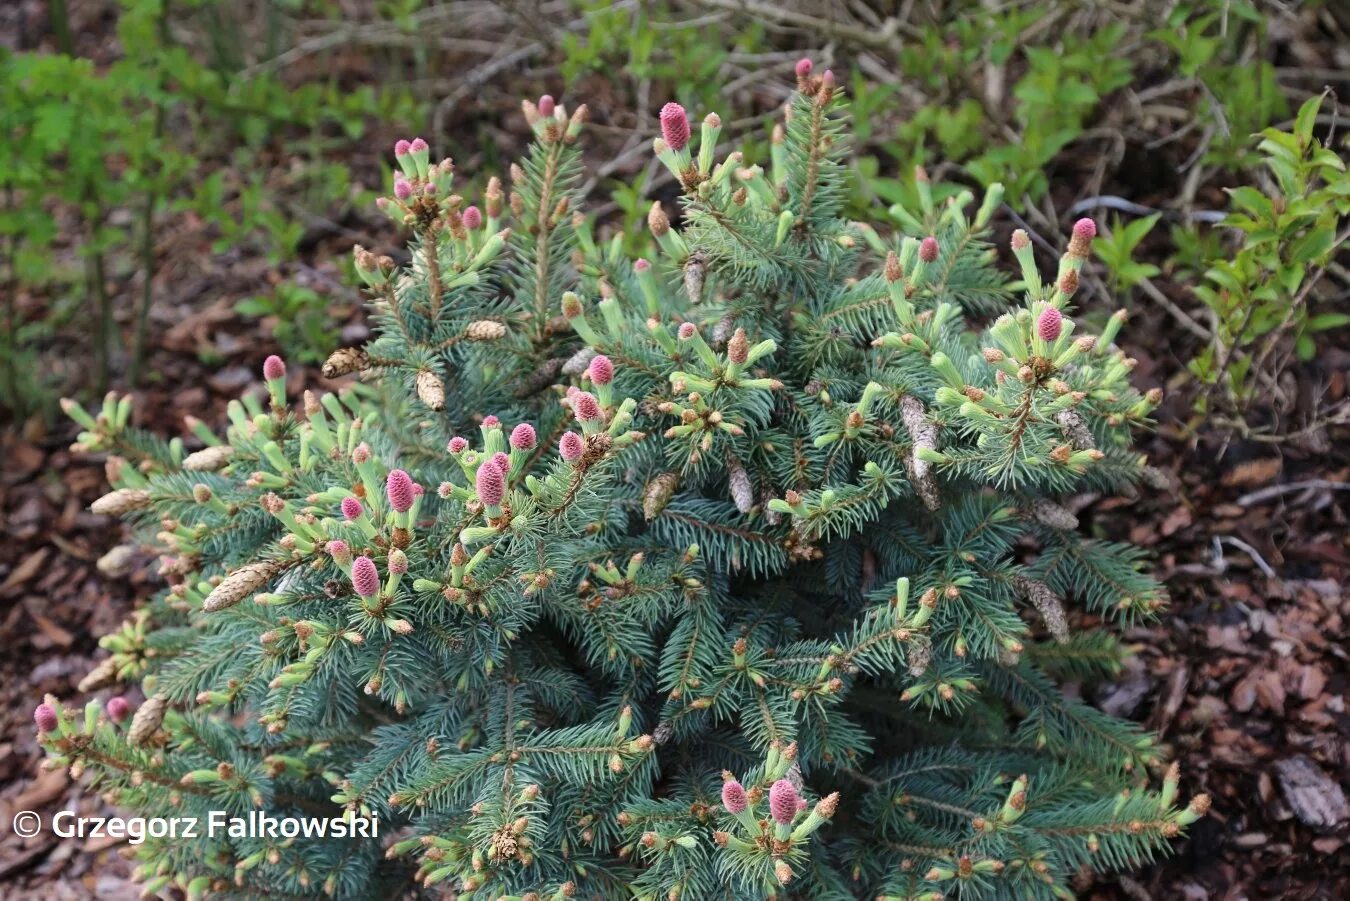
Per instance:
{"type": "Point", "coordinates": [457, 445]}
{"type": "Point", "coordinates": [490, 483]}
{"type": "Point", "coordinates": [365, 577]}
{"type": "Point", "coordinates": [601, 370]}
{"type": "Point", "coordinates": [571, 447]}
{"type": "Point", "coordinates": [585, 406]}
{"type": "Point", "coordinates": [472, 218]}
{"type": "Point", "coordinates": [733, 797]}
{"type": "Point", "coordinates": [783, 799]}
{"type": "Point", "coordinates": [1050, 324]}
{"type": "Point", "coordinates": [351, 508]}
{"type": "Point", "coordinates": [118, 709]}
{"type": "Point", "coordinates": [399, 488]}
{"type": "Point", "coordinates": [274, 368]}
{"type": "Point", "coordinates": [674, 125]}
{"type": "Point", "coordinates": [46, 718]}
{"type": "Point", "coordinates": [928, 249]}
{"type": "Point", "coordinates": [523, 437]}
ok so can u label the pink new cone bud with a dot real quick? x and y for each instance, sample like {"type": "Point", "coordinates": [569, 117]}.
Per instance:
{"type": "Point", "coordinates": [399, 489]}
{"type": "Point", "coordinates": [402, 148]}
{"type": "Point", "coordinates": [351, 508]}
{"type": "Point", "coordinates": [547, 105]}
{"type": "Point", "coordinates": [418, 146]}
{"type": "Point", "coordinates": [402, 188]}
{"type": "Point", "coordinates": [602, 370]}
{"type": "Point", "coordinates": [502, 461]}
{"type": "Point", "coordinates": [733, 793]}
{"type": "Point", "coordinates": [641, 265]}
{"type": "Point", "coordinates": [1049, 324]}
{"type": "Point", "coordinates": [571, 447]}
{"type": "Point", "coordinates": [783, 800]}
{"type": "Point", "coordinates": [490, 483]}
{"type": "Point", "coordinates": [46, 718]}
{"type": "Point", "coordinates": [1085, 229]}
{"type": "Point", "coordinates": [274, 368]}
{"type": "Point", "coordinates": [928, 249]}
{"type": "Point", "coordinates": [361, 454]}
{"type": "Point", "coordinates": [687, 331]}
{"type": "Point", "coordinates": [397, 562]}
{"type": "Point", "coordinates": [585, 406]}
{"type": "Point", "coordinates": [457, 445]}
{"type": "Point", "coordinates": [803, 67]}
{"type": "Point", "coordinates": [365, 577]}
{"type": "Point", "coordinates": [472, 218]}
{"type": "Point", "coordinates": [490, 421]}
{"type": "Point", "coordinates": [118, 709]}
{"type": "Point", "coordinates": [523, 437]}
{"type": "Point", "coordinates": [827, 81]}
{"type": "Point", "coordinates": [340, 551]}
{"type": "Point", "coordinates": [674, 126]}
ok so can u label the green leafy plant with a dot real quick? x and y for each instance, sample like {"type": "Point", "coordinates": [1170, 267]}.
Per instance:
{"type": "Point", "coordinates": [736, 572]}
{"type": "Point", "coordinates": [1117, 248]}
{"type": "Point", "coordinates": [299, 318]}
{"type": "Point", "coordinates": [1262, 296]}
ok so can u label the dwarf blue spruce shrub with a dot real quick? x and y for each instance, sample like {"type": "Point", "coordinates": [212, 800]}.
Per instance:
{"type": "Point", "coordinates": [741, 572]}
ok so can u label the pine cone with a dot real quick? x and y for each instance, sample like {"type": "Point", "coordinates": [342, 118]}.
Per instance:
{"type": "Point", "coordinates": [695, 268]}
{"type": "Point", "coordinates": [239, 584]}
{"type": "Point", "coordinates": [543, 375]}
{"type": "Point", "coordinates": [123, 500]}
{"type": "Point", "coordinates": [343, 361]}
{"type": "Point", "coordinates": [738, 483]}
{"type": "Point", "coordinates": [1049, 513]}
{"type": "Point", "coordinates": [208, 459]}
{"type": "Point", "coordinates": [923, 434]}
{"type": "Point", "coordinates": [430, 390]}
{"type": "Point", "coordinates": [101, 676]}
{"type": "Point", "coordinates": [579, 362]}
{"type": "Point", "coordinates": [1075, 429]}
{"type": "Point", "coordinates": [1047, 603]}
{"type": "Point", "coordinates": [149, 717]}
{"type": "Point", "coordinates": [117, 562]}
{"type": "Point", "coordinates": [485, 330]}
{"type": "Point", "coordinates": [658, 493]}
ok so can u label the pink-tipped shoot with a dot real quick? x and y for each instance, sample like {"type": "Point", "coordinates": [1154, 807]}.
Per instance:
{"type": "Point", "coordinates": [547, 105]}
{"type": "Point", "coordinates": [803, 67]}
{"type": "Point", "coordinates": [472, 218]}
